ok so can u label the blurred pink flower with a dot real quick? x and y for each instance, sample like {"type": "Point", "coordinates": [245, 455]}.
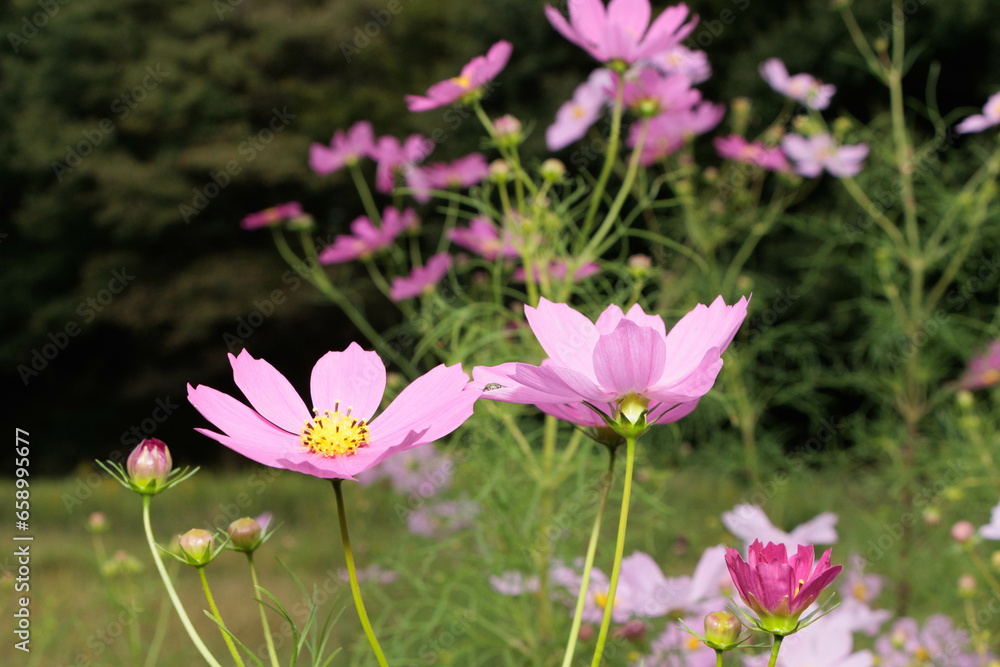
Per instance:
{"type": "Point", "coordinates": [938, 642]}
{"type": "Point", "coordinates": [676, 648]}
{"type": "Point", "coordinates": [735, 147]}
{"type": "Point", "coordinates": [803, 88]}
{"type": "Point", "coordinates": [425, 471]}
{"type": "Point", "coordinates": [576, 116]}
{"type": "Point", "coordinates": [513, 583]}
{"type": "Point", "coordinates": [983, 369]}
{"type": "Point", "coordinates": [621, 356]}
{"type": "Point", "coordinates": [483, 237]}
{"type": "Point", "coordinates": [272, 216]}
{"type": "Point", "coordinates": [991, 531]}
{"type": "Point", "coordinates": [652, 93]}
{"type": "Point", "coordinates": [668, 132]}
{"type": "Point", "coordinates": [461, 173]}
{"type": "Point", "coordinates": [829, 644]}
{"type": "Point", "coordinates": [622, 31]}
{"type": "Point", "coordinates": [557, 271]}
{"type": "Point", "coordinates": [367, 239]}
{"type": "Point", "coordinates": [344, 149]}
{"type": "Point", "coordinates": [393, 157]}
{"type": "Point", "coordinates": [820, 151]}
{"type": "Point", "coordinates": [479, 71]}
{"type": "Point", "coordinates": [443, 518]}
{"type": "Point", "coordinates": [682, 60]}
{"type": "Point", "coordinates": [980, 122]}
{"type": "Point", "coordinates": [373, 573]}
{"type": "Point", "coordinates": [340, 438]}
{"type": "Point", "coordinates": [422, 279]}
{"type": "Point", "coordinates": [779, 587]}
{"type": "Point", "coordinates": [749, 523]}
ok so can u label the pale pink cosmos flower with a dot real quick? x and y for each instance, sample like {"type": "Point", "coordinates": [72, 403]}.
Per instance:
{"type": "Point", "coordinates": [443, 518]}
{"type": "Point", "coordinates": [272, 216]}
{"type": "Point", "coordinates": [983, 369]}
{"type": "Point", "coordinates": [374, 572]}
{"type": "Point", "coordinates": [749, 523]}
{"type": "Point", "coordinates": [646, 592]}
{"type": "Point", "coordinates": [668, 132]}
{"type": "Point", "coordinates": [980, 122]}
{"type": "Point", "coordinates": [621, 356]}
{"type": "Point", "coordinates": [366, 239]}
{"type": "Point", "coordinates": [676, 648]}
{"type": "Point", "coordinates": [576, 116]}
{"type": "Point", "coordinates": [682, 60]}
{"type": "Point", "coordinates": [803, 88]}
{"type": "Point", "coordinates": [461, 173]}
{"type": "Point", "coordinates": [621, 31]}
{"type": "Point", "coordinates": [344, 149]}
{"type": "Point", "coordinates": [337, 438]}
{"type": "Point", "coordinates": [652, 93]}
{"type": "Point", "coordinates": [393, 156]}
{"type": "Point", "coordinates": [735, 147]}
{"type": "Point", "coordinates": [422, 279]}
{"type": "Point", "coordinates": [829, 644]}
{"type": "Point", "coordinates": [513, 583]}
{"type": "Point", "coordinates": [991, 531]}
{"type": "Point", "coordinates": [424, 471]}
{"type": "Point", "coordinates": [938, 642]}
{"type": "Point", "coordinates": [482, 237]}
{"type": "Point", "coordinates": [812, 155]}
{"type": "Point", "coordinates": [479, 71]}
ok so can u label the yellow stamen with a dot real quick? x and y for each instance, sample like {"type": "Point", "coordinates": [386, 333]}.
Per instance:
{"type": "Point", "coordinates": [578, 112]}
{"type": "Point", "coordinates": [601, 599]}
{"type": "Point", "coordinates": [990, 376]}
{"type": "Point", "coordinates": [860, 592]}
{"type": "Point", "coordinates": [693, 643]}
{"type": "Point", "coordinates": [333, 434]}
{"type": "Point", "coordinates": [921, 654]}
{"type": "Point", "coordinates": [462, 81]}
{"type": "Point", "coordinates": [799, 587]}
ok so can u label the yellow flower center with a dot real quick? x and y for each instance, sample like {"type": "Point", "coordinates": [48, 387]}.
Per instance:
{"type": "Point", "coordinates": [921, 654]}
{"type": "Point", "coordinates": [860, 592]}
{"type": "Point", "coordinates": [462, 81]}
{"type": "Point", "coordinates": [601, 599]}
{"type": "Point", "coordinates": [799, 587]}
{"type": "Point", "coordinates": [333, 434]}
{"type": "Point", "coordinates": [990, 376]}
{"type": "Point", "coordinates": [693, 643]}
{"type": "Point", "coordinates": [577, 112]}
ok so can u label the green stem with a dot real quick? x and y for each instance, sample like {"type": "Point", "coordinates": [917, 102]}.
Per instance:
{"type": "Point", "coordinates": [272, 654]}
{"type": "Point", "coordinates": [185, 621]}
{"type": "Point", "coordinates": [366, 194]}
{"type": "Point", "coordinates": [718, 658]}
{"type": "Point", "coordinates": [774, 650]}
{"type": "Point", "coordinates": [609, 159]}
{"type": "Point", "coordinates": [862, 43]}
{"type": "Point", "coordinates": [159, 634]}
{"type": "Point", "coordinates": [218, 617]}
{"type": "Point", "coordinates": [588, 563]}
{"type": "Point", "coordinates": [602, 637]}
{"type": "Point", "coordinates": [355, 589]}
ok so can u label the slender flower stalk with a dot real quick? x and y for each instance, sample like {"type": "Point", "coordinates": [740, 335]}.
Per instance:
{"type": "Point", "coordinates": [609, 159]}
{"type": "Point", "coordinates": [774, 650]}
{"type": "Point", "coordinates": [352, 573]}
{"type": "Point", "coordinates": [218, 617]}
{"type": "Point", "coordinates": [271, 653]}
{"type": "Point", "coordinates": [602, 637]}
{"type": "Point", "coordinates": [185, 621]}
{"type": "Point", "coordinates": [588, 563]}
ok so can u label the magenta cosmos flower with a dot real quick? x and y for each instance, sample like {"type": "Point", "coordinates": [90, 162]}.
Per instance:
{"type": "Point", "coordinates": [653, 93]}
{"type": "Point", "coordinates": [735, 147]}
{"type": "Point", "coordinates": [366, 239]}
{"type": "Point", "coordinates": [779, 587]}
{"type": "Point", "coordinates": [576, 116]}
{"type": "Point", "coordinates": [625, 363]}
{"type": "Point", "coordinates": [668, 131]}
{"type": "Point", "coordinates": [983, 370]}
{"type": "Point", "coordinates": [393, 156]}
{"type": "Point", "coordinates": [483, 237]}
{"type": "Point", "coordinates": [272, 216]}
{"type": "Point", "coordinates": [621, 31]}
{"type": "Point", "coordinates": [814, 154]}
{"type": "Point", "coordinates": [422, 279]}
{"type": "Point", "coordinates": [344, 149]}
{"type": "Point", "coordinates": [980, 122]}
{"type": "Point", "coordinates": [337, 438]}
{"type": "Point", "coordinates": [803, 88]}
{"type": "Point", "coordinates": [461, 173]}
{"type": "Point", "coordinates": [479, 71]}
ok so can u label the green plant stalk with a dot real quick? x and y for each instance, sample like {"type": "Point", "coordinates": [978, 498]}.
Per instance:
{"type": "Point", "coordinates": [159, 633]}
{"type": "Point", "coordinates": [366, 194]}
{"type": "Point", "coordinates": [609, 159]}
{"type": "Point", "coordinates": [271, 653]}
{"type": "Point", "coordinates": [602, 637]}
{"type": "Point", "coordinates": [352, 572]}
{"type": "Point", "coordinates": [862, 43]}
{"type": "Point", "coordinates": [588, 563]}
{"type": "Point", "coordinates": [545, 520]}
{"type": "Point", "coordinates": [185, 621]}
{"type": "Point", "coordinates": [218, 617]}
{"type": "Point", "coordinates": [774, 650]}
{"type": "Point", "coordinates": [718, 658]}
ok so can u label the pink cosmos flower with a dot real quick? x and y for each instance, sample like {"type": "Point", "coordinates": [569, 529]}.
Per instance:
{"type": "Point", "coordinates": [462, 173]}
{"type": "Point", "coordinates": [983, 370]}
{"type": "Point", "coordinates": [479, 71]}
{"type": "Point", "coordinates": [653, 93]}
{"type": "Point", "coordinates": [682, 60]}
{"type": "Point", "coordinates": [803, 88]}
{"type": "Point", "coordinates": [424, 471]}
{"type": "Point", "coordinates": [373, 572]}
{"type": "Point", "coordinates": [443, 518]}
{"type": "Point", "coordinates": [576, 116]}
{"type": "Point", "coordinates": [980, 122]}
{"type": "Point", "coordinates": [393, 157]}
{"type": "Point", "coordinates": [344, 149]}
{"type": "Point", "coordinates": [338, 438]}
{"type": "Point", "coordinates": [676, 648]}
{"type": "Point", "coordinates": [482, 237]}
{"type": "Point", "coordinates": [422, 279]}
{"type": "Point", "coordinates": [626, 362]}
{"type": "Point", "coordinates": [820, 151]}
{"type": "Point", "coordinates": [272, 216]}
{"type": "Point", "coordinates": [366, 239]}
{"type": "Point", "coordinates": [778, 587]}
{"type": "Point", "coordinates": [749, 523]}
{"type": "Point", "coordinates": [735, 147]}
{"type": "Point", "coordinates": [622, 31]}
{"type": "Point", "coordinates": [938, 642]}
{"type": "Point", "coordinates": [668, 132]}
{"type": "Point", "coordinates": [991, 531]}
{"type": "Point", "coordinates": [513, 583]}
{"type": "Point", "coordinates": [829, 644]}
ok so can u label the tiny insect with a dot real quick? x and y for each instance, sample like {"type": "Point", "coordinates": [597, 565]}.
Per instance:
{"type": "Point", "coordinates": [492, 386]}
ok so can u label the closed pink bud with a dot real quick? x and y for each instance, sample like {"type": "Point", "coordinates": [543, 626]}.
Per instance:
{"type": "Point", "coordinates": [149, 465]}
{"type": "Point", "coordinates": [197, 545]}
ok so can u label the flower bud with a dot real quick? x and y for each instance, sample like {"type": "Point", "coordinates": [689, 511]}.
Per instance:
{"type": "Point", "coordinates": [244, 534]}
{"type": "Point", "coordinates": [586, 632]}
{"type": "Point", "coordinates": [97, 522]}
{"type": "Point", "coordinates": [967, 585]}
{"type": "Point", "coordinates": [197, 547]}
{"type": "Point", "coordinates": [932, 516]}
{"type": "Point", "coordinates": [302, 223]}
{"type": "Point", "coordinates": [149, 466]}
{"type": "Point", "coordinates": [722, 629]}
{"type": "Point", "coordinates": [962, 531]}
{"type": "Point", "coordinates": [631, 630]}
{"type": "Point", "coordinates": [508, 129]}
{"type": "Point", "coordinates": [995, 560]}
{"type": "Point", "coordinates": [552, 169]}
{"type": "Point", "coordinates": [499, 171]}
